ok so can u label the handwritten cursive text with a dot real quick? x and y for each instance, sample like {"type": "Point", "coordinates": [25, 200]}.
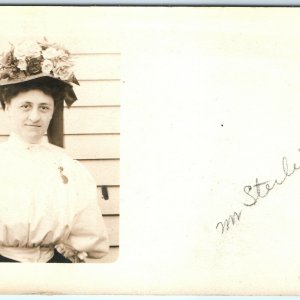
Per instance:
{"type": "Point", "coordinates": [231, 220]}
{"type": "Point", "coordinates": [262, 189]}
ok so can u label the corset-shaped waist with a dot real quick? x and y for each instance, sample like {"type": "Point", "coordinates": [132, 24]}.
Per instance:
{"type": "Point", "coordinates": [34, 254]}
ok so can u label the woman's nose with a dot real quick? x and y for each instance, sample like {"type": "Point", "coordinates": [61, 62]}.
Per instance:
{"type": "Point", "coordinates": [34, 115]}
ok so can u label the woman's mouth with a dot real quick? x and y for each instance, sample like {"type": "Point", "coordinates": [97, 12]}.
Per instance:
{"type": "Point", "coordinates": [33, 125]}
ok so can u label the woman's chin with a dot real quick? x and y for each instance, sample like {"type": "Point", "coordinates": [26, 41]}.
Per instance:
{"type": "Point", "coordinates": [32, 138]}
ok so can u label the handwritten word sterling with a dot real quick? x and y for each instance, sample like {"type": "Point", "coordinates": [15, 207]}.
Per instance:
{"type": "Point", "coordinates": [230, 220]}
{"type": "Point", "coordinates": [262, 189]}
{"type": "Point", "coordinates": [257, 191]}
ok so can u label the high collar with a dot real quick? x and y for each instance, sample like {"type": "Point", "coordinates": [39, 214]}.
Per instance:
{"type": "Point", "coordinates": [18, 142]}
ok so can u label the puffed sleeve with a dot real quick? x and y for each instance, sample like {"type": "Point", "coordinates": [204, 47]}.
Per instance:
{"type": "Point", "coordinates": [88, 236]}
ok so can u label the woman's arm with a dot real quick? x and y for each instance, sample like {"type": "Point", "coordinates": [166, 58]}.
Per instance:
{"type": "Point", "coordinates": [88, 236]}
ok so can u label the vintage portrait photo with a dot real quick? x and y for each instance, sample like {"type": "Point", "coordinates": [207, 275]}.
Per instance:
{"type": "Point", "coordinates": [59, 148]}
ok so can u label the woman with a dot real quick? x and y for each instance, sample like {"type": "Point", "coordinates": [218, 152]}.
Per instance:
{"type": "Point", "coordinates": [48, 201]}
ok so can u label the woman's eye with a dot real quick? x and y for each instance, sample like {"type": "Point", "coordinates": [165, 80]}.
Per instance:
{"type": "Point", "coordinates": [44, 108]}
{"type": "Point", "coordinates": [25, 107]}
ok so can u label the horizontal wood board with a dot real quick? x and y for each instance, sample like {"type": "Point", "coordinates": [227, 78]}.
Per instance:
{"type": "Point", "coordinates": [97, 93]}
{"type": "Point", "coordinates": [93, 146]}
{"type": "Point", "coordinates": [110, 206]}
{"type": "Point", "coordinates": [112, 225]}
{"type": "Point", "coordinates": [105, 172]}
{"type": "Point", "coordinates": [97, 66]}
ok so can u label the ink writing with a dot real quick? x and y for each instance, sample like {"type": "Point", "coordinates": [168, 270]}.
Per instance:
{"type": "Point", "coordinates": [262, 189]}
{"type": "Point", "coordinates": [259, 190]}
{"type": "Point", "coordinates": [225, 225]}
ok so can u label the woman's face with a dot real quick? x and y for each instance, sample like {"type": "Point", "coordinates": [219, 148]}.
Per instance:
{"type": "Point", "coordinates": [30, 113]}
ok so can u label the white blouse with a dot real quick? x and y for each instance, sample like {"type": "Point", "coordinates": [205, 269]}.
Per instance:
{"type": "Point", "coordinates": [47, 200]}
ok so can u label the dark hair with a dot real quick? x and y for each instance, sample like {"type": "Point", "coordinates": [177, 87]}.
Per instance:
{"type": "Point", "coordinates": [50, 87]}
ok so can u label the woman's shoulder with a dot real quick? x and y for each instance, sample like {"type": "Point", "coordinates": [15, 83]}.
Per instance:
{"type": "Point", "coordinates": [69, 161]}
{"type": "Point", "coordinates": [61, 154]}
{"type": "Point", "coordinates": [57, 150]}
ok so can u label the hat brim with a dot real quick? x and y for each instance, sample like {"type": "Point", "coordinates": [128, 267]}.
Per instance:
{"type": "Point", "coordinates": [32, 77]}
{"type": "Point", "coordinates": [70, 96]}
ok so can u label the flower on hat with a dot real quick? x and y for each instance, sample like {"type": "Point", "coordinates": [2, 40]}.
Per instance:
{"type": "Point", "coordinates": [50, 53]}
{"type": "Point", "coordinates": [27, 49]}
{"type": "Point", "coordinates": [22, 64]}
{"type": "Point", "coordinates": [35, 57]}
{"type": "Point", "coordinates": [62, 70]}
{"type": "Point", "coordinates": [47, 66]}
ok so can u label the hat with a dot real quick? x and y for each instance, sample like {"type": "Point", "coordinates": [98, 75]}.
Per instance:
{"type": "Point", "coordinates": [34, 60]}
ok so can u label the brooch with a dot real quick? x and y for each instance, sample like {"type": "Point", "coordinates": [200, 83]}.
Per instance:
{"type": "Point", "coordinates": [63, 177]}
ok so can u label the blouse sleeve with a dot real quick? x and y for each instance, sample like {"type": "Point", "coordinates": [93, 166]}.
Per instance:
{"type": "Point", "coordinates": [88, 236]}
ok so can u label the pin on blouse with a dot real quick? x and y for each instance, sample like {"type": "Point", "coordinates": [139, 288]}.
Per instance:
{"type": "Point", "coordinates": [64, 177]}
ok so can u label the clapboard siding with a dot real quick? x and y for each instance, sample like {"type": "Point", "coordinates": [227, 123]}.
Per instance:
{"type": "Point", "coordinates": [110, 206]}
{"type": "Point", "coordinates": [93, 146]}
{"type": "Point", "coordinates": [97, 66]}
{"type": "Point", "coordinates": [112, 225]}
{"type": "Point", "coordinates": [92, 120]}
{"type": "Point", "coordinates": [98, 93]}
{"type": "Point", "coordinates": [105, 172]}
{"type": "Point", "coordinates": [92, 128]}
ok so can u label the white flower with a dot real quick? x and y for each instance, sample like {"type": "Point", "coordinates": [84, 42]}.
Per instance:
{"type": "Point", "coordinates": [27, 48]}
{"type": "Point", "coordinates": [62, 54]}
{"type": "Point", "coordinates": [62, 71]}
{"type": "Point", "coordinates": [47, 66]}
{"type": "Point", "coordinates": [50, 53]}
{"type": "Point", "coordinates": [22, 65]}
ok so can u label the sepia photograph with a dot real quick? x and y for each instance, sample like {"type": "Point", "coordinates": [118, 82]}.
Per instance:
{"type": "Point", "coordinates": [59, 148]}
